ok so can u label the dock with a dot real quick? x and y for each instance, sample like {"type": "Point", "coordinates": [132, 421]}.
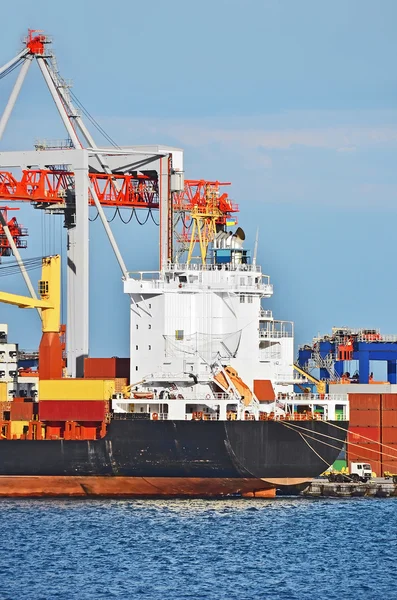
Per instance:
{"type": "Point", "coordinates": [376, 488]}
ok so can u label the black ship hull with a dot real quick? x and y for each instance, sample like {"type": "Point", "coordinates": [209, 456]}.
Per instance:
{"type": "Point", "coordinates": [172, 458]}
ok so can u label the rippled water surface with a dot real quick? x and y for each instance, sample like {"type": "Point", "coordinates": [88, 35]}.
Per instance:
{"type": "Point", "coordinates": [245, 549]}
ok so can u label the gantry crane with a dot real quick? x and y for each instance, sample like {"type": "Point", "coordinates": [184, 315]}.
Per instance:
{"type": "Point", "coordinates": [201, 208]}
{"type": "Point", "coordinates": [11, 232]}
{"type": "Point", "coordinates": [70, 177]}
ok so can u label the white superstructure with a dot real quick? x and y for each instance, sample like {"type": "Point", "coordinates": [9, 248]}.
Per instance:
{"type": "Point", "coordinates": [204, 346]}
{"type": "Point", "coordinates": [190, 316]}
{"type": "Point", "coordinates": [202, 331]}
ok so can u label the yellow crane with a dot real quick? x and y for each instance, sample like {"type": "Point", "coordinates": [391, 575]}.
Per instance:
{"type": "Point", "coordinates": [321, 386]}
{"type": "Point", "coordinates": [50, 350]}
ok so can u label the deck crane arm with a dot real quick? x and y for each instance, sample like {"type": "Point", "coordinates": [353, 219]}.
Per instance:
{"type": "Point", "coordinates": [50, 350]}
{"type": "Point", "coordinates": [320, 385]}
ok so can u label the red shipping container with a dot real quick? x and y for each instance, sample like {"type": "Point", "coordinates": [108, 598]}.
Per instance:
{"type": "Point", "coordinates": [389, 453]}
{"type": "Point", "coordinates": [389, 465]}
{"type": "Point", "coordinates": [123, 368]}
{"type": "Point", "coordinates": [370, 451]}
{"type": "Point", "coordinates": [364, 418]}
{"type": "Point", "coordinates": [21, 411]}
{"type": "Point", "coordinates": [389, 435]}
{"type": "Point", "coordinates": [389, 418]}
{"type": "Point", "coordinates": [364, 402]}
{"type": "Point", "coordinates": [360, 435]}
{"type": "Point", "coordinates": [389, 402]}
{"type": "Point", "coordinates": [106, 368]}
{"type": "Point", "coordinates": [72, 410]}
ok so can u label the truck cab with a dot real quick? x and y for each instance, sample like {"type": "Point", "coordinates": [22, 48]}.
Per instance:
{"type": "Point", "coordinates": [360, 471]}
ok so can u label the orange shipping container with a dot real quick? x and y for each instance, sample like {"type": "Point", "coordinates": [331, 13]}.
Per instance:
{"type": "Point", "coordinates": [389, 402]}
{"type": "Point", "coordinates": [370, 451]}
{"type": "Point", "coordinates": [389, 435]}
{"type": "Point", "coordinates": [389, 453]}
{"type": "Point", "coordinates": [389, 418]}
{"type": "Point", "coordinates": [104, 368]}
{"type": "Point", "coordinates": [364, 418]}
{"type": "Point", "coordinates": [364, 402]}
{"type": "Point", "coordinates": [389, 465]}
{"type": "Point", "coordinates": [22, 411]}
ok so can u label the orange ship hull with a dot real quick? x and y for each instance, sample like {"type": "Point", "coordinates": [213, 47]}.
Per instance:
{"type": "Point", "coordinates": [131, 487]}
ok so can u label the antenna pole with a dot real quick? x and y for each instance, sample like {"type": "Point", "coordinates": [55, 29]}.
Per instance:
{"type": "Point", "coordinates": [255, 248]}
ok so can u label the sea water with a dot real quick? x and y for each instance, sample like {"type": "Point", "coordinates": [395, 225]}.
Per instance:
{"type": "Point", "coordinates": [287, 548]}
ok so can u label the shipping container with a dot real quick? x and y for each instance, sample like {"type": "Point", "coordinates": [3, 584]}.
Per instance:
{"type": "Point", "coordinates": [364, 418]}
{"type": "Point", "coordinates": [389, 402]}
{"type": "Point", "coordinates": [389, 465]}
{"type": "Point", "coordinates": [76, 389]}
{"type": "Point", "coordinates": [109, 368]}
{"type": "Point", "coordinates": [389, 454]}
{"type": "Point", "coordinates": [21, 411]}
{"type": "Point", "coordinates": [364, 434]}
{"type": "Point", "coordinates": [364, 402]}
{"type": "Point", "coordinates": [73, 410]}
{"type": "Point", "coordinates": [389, 435]}
{"type": "Point", "coordinates": [368, 451]}
{"type": "Point", "coordinates": [389, 418]}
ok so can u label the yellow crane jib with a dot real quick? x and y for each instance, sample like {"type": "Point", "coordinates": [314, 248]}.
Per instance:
{"type": "Point", "coordinates": [50, 295]}
{"type": "Point", "coordinates": [50, 351]}
{"type": "Point", "coordinates": [321, 386]}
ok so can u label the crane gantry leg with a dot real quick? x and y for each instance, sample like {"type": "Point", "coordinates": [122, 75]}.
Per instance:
{"type": "Point", "coordinates": [14, 94]}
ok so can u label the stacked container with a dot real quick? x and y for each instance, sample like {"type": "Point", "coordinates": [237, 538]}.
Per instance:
{"type": "Point", "coordinates": [82, 400]}
{"type": "Point", "coordinates": [109, 368]}
{"type": "Point", "coordinates": [388, 419]}
{"type": "Point", "coordinates": [365, 430]}
{"type": "Point", "coordinates": [373, 431]}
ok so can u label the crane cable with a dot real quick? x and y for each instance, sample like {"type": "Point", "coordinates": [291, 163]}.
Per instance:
{"type": "Point", "coordinates": [329, 465]}
{"type": "Point", "coordinates": [93, 121]}
{"type": "Point", "coordinates": [12, 68]}
{"type": "Point", "coordinates": [12, 268]}
{"type": "Point", "coordinates": [296, 427]}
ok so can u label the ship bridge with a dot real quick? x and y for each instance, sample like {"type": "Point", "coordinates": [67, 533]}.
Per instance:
{"type": "Point", "coordinates": [240, 279]}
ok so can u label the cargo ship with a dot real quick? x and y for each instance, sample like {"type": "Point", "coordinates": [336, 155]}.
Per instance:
{"type": "Point", "coordinates": [209, 411]}
{"type": "Point", "coordinates": [207, 407]}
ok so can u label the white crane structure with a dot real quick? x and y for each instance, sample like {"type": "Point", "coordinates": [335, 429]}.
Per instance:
{"type": "Point", "coordinates": [80, 161]}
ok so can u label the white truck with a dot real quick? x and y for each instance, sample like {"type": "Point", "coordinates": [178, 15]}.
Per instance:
{"type": "Point", "coordinates": [358, 472]}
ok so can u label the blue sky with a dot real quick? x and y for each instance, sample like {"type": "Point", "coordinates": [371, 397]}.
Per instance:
{"type": "Point", "coordinates": [292, 101]}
